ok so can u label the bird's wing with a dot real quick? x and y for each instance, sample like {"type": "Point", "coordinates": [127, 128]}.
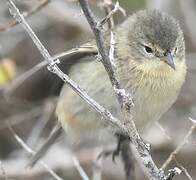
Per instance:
{"type": "Point", "coordinates": [39, 75]}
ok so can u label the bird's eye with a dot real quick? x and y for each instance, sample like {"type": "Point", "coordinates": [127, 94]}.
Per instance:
{"type": "Point", "coordinates": [148, 49]}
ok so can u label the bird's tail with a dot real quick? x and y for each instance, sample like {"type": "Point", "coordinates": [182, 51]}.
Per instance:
{"type": "Point", "coordinates": [54, 135]}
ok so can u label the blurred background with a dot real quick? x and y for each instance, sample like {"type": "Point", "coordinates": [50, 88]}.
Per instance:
{"type": "Point", "coordinates": [28, 99]}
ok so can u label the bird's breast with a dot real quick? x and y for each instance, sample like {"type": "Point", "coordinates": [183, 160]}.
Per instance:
{"type": "Point", "coordinates": [155, 92]}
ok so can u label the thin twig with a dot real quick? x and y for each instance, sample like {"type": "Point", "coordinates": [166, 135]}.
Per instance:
{"type": "Point", "coordinates": [163, 130]}
{"type": "Point", "coordinates": [48, 110]}
{"type": "Point", "coordinates": [108, 117]}
{"type": "Point", "coordinates": [100, 43]}
{"type": "Point", "coordinates": [109, 17]}
{"type": "Point", "coordinates": [111, 51]}
{"type": "Point", "coordinates": [30, 151]}
{"type": "Point", "coordinates": [26, 14]}
{"type": "Point", "coordinates": [123, 97]}
{"type": "Point", "coordinates": [183, 169]}
{"type": "Point", "coordinates": [83, 50]}
{"type": "Point", "coordinates": [18, 118]}
{"type": "Point", "coordinates": [79, 168]}
{"type": "Point", "coordinates": [128, 129]}
{"type": "Point", "coordinates": [106, 4]}
{"type": "Point", "coordinates": [54, 135]}
{"type": "Point", "coordinates": [97, 165]}
{"type": "Point", "coordinates": [173, 172]}
{"type": "Point", "coordinates": [180, 146]}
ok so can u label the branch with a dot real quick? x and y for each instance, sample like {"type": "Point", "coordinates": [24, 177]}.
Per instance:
{"type": "Point", "coordinates": [128, 128]}
{"type": "Point", "coordinates": [18, 118]}
{"type": "Point", "coordinates": [180, 146]}
{"type": "Point", "coordinates": [100, 43]}
{"type": "Point", "coordinates": [28, 14]}
{"type": "Point", "coordinates": [109, 17]}
{"type": "Point", "coordinates": [111, 8]}
{"type": "Point", "coordinates": [85, 50]}
{"type": "Point", "coordinates": [80, 169]}
{"type": "Point", "coordinates": [30, 151]}
{"type": "Point", "coordinates": [183, 169]}
{"type": "Point", "coordinates": [52, 67]}
{"type": "Point", "coordinates": [173, 172]}
{"type": "Point", "coordinates": [56, 132]}
{"type": "Point", "coordinates": [123, 98]}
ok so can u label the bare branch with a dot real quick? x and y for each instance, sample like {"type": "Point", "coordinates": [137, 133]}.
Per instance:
{"type": "Point", "coordinates": [129, 127]}
{"type": "Point", "coordinates": [86, 50]}
{"type": "Point", "coordinates": [48, 111]}
{"type": "Point", "coordinates": [110, 8]}
{"type": "Point", "coordinates": [180, 146]}
{"type": "Point", "coordinates": [108, 117]}
{"type": "Point", "coordinates": [30, 151]}
{"type": "Point", "coordinates": [28, 14]}
{"type": "Point", "coordinates": [173, 172]}
{"type": "Point", "coordinates": [163, 131]}
{"type": "Point", "coordinates": [56, 132]}
{"type": "Point", "coordinates": [100, 43]}
{"type": "Point", "coordinates": [18, 118]}
{"type": "Point", "coordinates": [79, 168]}
{"type": "Point", "coordinates": [108, 17]}
{"type": "Point", "coordinates": [97, 166]}
{"type": "Point", "coordinates": [183, 169]}
{"type": "Point", "coordinates": [111, 52]}
{"type": "Point", "coordinates": [123, 98]}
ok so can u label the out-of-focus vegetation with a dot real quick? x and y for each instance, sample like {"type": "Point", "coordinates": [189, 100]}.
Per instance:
{"type": "Point", "coordinates": [28, 104]}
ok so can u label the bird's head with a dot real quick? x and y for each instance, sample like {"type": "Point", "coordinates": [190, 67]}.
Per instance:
{"type": "Point", "coordinates": [155, 40]}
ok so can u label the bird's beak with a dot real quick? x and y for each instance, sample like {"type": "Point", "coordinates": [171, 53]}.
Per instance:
{"type": "Point", "coordinates": [169, 60]}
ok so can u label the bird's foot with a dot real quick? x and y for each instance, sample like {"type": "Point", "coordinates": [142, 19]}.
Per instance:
{"type": "Point", "coordinates": [114, 152]}
{"type": "Point", "coordinates": [107, 152]}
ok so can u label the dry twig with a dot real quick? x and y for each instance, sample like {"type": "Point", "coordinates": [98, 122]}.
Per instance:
{"type": "Point", "coordinates": [18, 118]}
{"type": "Point", "coordinates": [82, 51]}
{"type": "Point", "coordinates": [26, 14]}
{"type": "Point", "coordinates": [111, 8]}
{"type": "Point", "coordinates": [173, 172]}
{"type": "Point", "coordinates": [109, 17]}
{"type": "Point", "coordinates": [183, 169]}
{"type": "Point", "coordinates": [127, 128]}
{"type": "Point", "coordinates": [124, 99]}
{"type": "Point", "coordinates": [48, 110]}
{"type": "Point", "coordinates": [56, 132]}
{"type": "Point", "coordinates": [180, 146]}
{"type": "Point", "coordinates": [52, 66]}
{"type": "Point", "coordinates": [80, 169]}
{"type": "Point", "coordinates": [30, 151]}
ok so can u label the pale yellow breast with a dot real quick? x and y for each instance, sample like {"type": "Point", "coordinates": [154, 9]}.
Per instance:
{"type": "Point", "coordinates": [157, 90]}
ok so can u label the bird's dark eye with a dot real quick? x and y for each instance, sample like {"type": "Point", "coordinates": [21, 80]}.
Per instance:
{"type": "Point", "coordinates": [148, 49]}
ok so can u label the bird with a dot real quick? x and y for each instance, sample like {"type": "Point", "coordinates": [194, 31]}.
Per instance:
{"type": "Point", "coordinates": [149, 59]}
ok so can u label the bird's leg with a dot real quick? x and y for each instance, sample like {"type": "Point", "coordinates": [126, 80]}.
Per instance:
{"type": "Point", "coordinates": [115, 152]}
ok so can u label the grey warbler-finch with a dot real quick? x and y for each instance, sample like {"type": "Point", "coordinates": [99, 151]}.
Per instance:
{"type": "Point", "coordinates": [149, 57]}
{"type": "Point", "coordinates": [150, 62]}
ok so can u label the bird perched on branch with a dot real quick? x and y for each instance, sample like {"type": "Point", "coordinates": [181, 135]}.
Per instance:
{"type": "Point", "coordinates": [149, 58]}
